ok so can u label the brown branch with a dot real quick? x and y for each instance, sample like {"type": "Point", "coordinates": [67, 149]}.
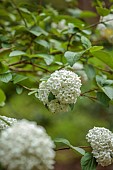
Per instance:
{"type": "Point", "coordinates": [89, 91]}
{"type": "Point", "coordinates": [21, 70]}
{"type": "Point", "coordinates": [67, 148]}
{"type": "Point", "coordinates": [27, 62]}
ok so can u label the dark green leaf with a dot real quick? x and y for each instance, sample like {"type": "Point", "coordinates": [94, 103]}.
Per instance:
{"type": "Point", "coordinates": [102, 11]}
{"type": "Point", "coordinates": [86, 42]}
{"type": "Point", "coordinates": [51, 96]}
{"type": "Point", "coordinates": [6, 77]}
{"type": "Point", "coordinates": [72, 57]}
{"type": "Point", "coordinates": [88, 162]}
{"type": "Point", "coordinates": [103, 98]}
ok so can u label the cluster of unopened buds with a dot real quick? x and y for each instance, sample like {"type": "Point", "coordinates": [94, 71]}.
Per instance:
{"type": "Point", "coordinates": [60, 91]}
{"type": "Point", "coordinates": [101, 141]}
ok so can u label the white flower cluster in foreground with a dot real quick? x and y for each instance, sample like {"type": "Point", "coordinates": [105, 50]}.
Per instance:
{"type": "Point", "coordinates": [106, 29]}
{"type": "Point", "coordinates": [26, 146]}
{"type": "Point", "coordinates": [5, 122]}
{"type": "Point", "coordinates": [64, 86]}
{"type": "Point", "coordinates": [101, 141]}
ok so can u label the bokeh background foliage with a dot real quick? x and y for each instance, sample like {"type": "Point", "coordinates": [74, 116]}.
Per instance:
{"type": "Point", "coordinates": [34, 44]}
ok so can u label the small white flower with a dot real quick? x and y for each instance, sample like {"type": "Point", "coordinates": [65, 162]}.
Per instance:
{"type": "Point", "coordinates": [64, 86]}
{"type": "Point", "coordinates": [101, 141]}
{"type": "Point", "coordinates": [5, 122]}
{"type": "Point", "coordinates": [26, 146]}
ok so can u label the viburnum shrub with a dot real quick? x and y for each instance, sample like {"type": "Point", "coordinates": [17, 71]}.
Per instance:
{"type": "Point", "coordinates": [57, 56]}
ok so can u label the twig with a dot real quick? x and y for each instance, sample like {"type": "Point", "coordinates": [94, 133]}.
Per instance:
{"type": "Point", "coordinates": [27, 62]}
{"type": "Point", "coordinates": [89, 91]}
{"type": "Point", "coordinates": [19, 12]}
{"type": "Point", "coordinates": [67, 148]}
{"type": "Point", "coordinates": [20, 70]}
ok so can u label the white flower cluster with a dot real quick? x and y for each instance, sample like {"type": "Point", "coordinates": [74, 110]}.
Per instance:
{"type": "Point", "coordinates": [26, 146]}
{"type": "Point", "coordinates": [106, 29]}
{"type": "Point", "coordinates": [64, 86]}
{"type": "Point", "coordinates": [5, 122]}
{"type": "Point", "coordinates": [101, 141]}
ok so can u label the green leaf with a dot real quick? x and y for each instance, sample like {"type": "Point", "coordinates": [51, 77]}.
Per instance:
{"type": "Point", "coordinates": [47, 58]}
{"type": "Point", "coordinates": [37, 31]}
{"type": "Point", "coordinates": [19, 78]}
{"type": "Point", "coordinates": [72, 57]}
{"type": "Point", "coordinates": [2, 96]}
{"type": "Point", "coordinates": [19, 89]}
{"type": "Point", "coordinates": [51, 96]}
{"type": "Point", "coordinates": [100, 80]}
{"type": "Point", "coordinates": [108, 91]}
{"type": "Point", "coordinates": [6, 77]}
{"type": "Point", "coordinates": [65, 141]}
{"type": "Point", "coordinates": [88, 162]}
{"type": "Point", "coordinates": [86, 42]}
{"type": "Point", "coordinates": [102, 11]}
{"type": "Point", "coordinates": [80, 150]}
{"type": "Point", "coordinates": [104, 56]}
{"type": "Point", "coordinates": [43, 43]}
{"type": "Point", "coordinates": [62, 140]}
{"type": "Point", "coordinates": [103, 98]}
{"type": "Point", "coordinates": [16, 53]}
{"type": "Point", "coordinates": [90, 71]}
{"type": "Point", "coordinates": [95, 48]}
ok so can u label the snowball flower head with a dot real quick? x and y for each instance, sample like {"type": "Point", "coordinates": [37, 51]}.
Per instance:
{"type": "Point", "coordinates": [5, 122]}
{"type": "Point", "coordinates": [101, 141]}
{"type": "Point", "coordinates": [26, 146]}
{"type": "Point", "coordinates": [64, 85]}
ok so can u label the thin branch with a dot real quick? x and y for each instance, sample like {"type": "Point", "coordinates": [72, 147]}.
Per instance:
{"type": "Point", "coordinates": [19, 12]}
{"type": "Point", "coordinates": [67, 148]}
{"type": "Point", "coordinates": [89, 91]}
{"type": "Point", "coordinates": [21, 70]}
{"type": "Point", "coordinates": [28, 62]}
